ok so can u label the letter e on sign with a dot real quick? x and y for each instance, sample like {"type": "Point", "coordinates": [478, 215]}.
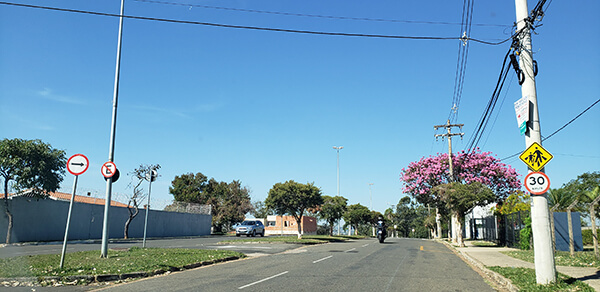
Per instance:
{"type": "Point", "coordinates": [108, 169]}
{"type": "Point", "coordinates": [537, 183]}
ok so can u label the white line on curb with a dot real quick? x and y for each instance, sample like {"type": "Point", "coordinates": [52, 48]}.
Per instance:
{"type": "Point", "coordinates": [265, 279]}
{"type": "Point", "coordinates": [314, 262]}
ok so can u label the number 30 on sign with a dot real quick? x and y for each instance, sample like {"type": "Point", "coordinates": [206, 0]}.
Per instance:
{"type": "Point", "coordinates": [537, 183]}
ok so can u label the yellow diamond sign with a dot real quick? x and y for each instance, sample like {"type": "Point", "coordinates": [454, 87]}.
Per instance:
{"type": "Point", "coordinates": [536, 156]}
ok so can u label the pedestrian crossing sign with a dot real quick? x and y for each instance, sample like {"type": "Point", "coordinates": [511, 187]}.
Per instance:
{"type": "Point", "coordinates": [536, 156]}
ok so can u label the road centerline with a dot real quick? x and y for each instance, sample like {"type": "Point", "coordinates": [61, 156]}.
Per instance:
{"type": "Point", "coordinates": [328, 257]}
{"type": "Point", "coordinates": [265, 279]}
{"type": "Point", "coordinates": [351, 249]}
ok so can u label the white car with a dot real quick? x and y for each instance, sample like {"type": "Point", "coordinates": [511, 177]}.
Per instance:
{"type": "Point", "coordinates": [250, 227]}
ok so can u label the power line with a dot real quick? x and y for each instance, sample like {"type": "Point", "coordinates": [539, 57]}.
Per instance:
{"type": "Point", "coordinates": [461, 63]}
{"type": "Point", "coordinates": [561, 128]}
{"type": "Point", "coordinates": [251, 27]}
{"type": "Point", "coordinates": [313, 15]}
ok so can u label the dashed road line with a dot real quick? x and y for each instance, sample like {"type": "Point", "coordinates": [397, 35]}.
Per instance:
{"type": "Point", "coordinates": [314, 262]}
{"type": "Point", "coordinates": [265, 279]}
{"type": "Point", "coordinates": [351, 249]}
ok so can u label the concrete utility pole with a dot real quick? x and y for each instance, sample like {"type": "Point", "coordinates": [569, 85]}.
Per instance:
{"type": "Point", "coordinates": [111, 153]}
{"type": "Point", "coordinates": [449, 135]}
{"type": "Point", "coordinates": [545, 268]}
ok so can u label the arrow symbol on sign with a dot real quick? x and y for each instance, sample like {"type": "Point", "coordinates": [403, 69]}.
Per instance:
{"type": "Point", "coordinates": [78, 164]}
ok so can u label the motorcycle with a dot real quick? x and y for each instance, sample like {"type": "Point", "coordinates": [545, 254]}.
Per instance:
{"type": "Point", "coordinates": [381, 232]}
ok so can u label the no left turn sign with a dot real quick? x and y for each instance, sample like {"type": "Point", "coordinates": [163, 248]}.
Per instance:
{"type": "Point", "coordinates": [537, 183]}
{"type": "Point", "coordinates": [108, 169]}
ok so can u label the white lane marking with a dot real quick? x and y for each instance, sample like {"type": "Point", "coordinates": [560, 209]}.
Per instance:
{"type": "Point", "coordinates": [237, 246]}
{"type": "Point", "coordinates": [389, 285]}
{"type": "Point", "coordinates": [265, 279]}
{"type": "Point", "coordinates": [365, 245]}
{"type": "Point", "coordinates": [351, 249]}
{"type": "Point", "coordinates": [314, 262]}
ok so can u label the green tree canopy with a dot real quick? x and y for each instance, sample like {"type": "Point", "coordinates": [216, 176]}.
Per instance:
{"type": "Point", "coordinates": [30, 165]}
{"type": "Point", "coordinates": [357, 215]}
{"type": "Point", "coordinates": [294, 198]}
{"type": "Point", "coordinates": [229, 201]}
{"type": "Point", "coordinates": [260, 210]}
{"type": "Point", "coordinates": [460, 198]}
{"type": "Point", "coordinates": [517, 201]}
{"type": "Point", "coordinates": [332, 210]}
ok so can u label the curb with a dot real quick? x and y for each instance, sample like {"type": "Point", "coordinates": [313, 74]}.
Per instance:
{"type": "Point", "coordinates": [498, 279]}
{"type": "Point", "coordinates": [89, 279]}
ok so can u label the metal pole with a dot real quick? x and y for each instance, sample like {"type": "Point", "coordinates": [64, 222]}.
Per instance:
{"type": "Point", "coordinates": [338, 176]}
{"type": "Point", "coordinates": [147, 211]}
{"type": "Point", "coordinates": [111, 154]}
{"type": "Point", "coordinates": [545, 268]}
{"type": "Point", "coordinates": [64, 247]}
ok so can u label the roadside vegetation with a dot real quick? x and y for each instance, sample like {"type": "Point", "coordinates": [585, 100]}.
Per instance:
{"type": "Point", "coordinates": [561, 258]}
{"type": "Point", "coordinates": [524, 279]}
{"type": "Point", "coordinates": [306, 239]}
{"type": "Point", "coordinates": [135, 259]}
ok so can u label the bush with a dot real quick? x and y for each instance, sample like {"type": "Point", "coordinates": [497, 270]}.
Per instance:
{"type": "Point", "coordinates": [525, 235]}
{"type": "Point", "coordinates": [588, 236]}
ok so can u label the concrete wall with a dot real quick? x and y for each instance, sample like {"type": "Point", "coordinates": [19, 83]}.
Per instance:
{"type": "Point", "coordinates": [45, 220]}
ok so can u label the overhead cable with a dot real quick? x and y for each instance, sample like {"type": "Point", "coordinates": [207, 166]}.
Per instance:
{"type": "Point", "coordinates": [251, 27]}
{"type": "Point", "coordinates": [310, 15]}
{"type": "Point", "coordinates": [561, 128]}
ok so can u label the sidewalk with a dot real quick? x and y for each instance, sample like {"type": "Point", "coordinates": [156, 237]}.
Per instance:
{"type": "Point", "coordinates": [492, 256]}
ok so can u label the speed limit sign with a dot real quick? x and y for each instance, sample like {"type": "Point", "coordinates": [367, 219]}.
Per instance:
{"type": "Point", "coordinates": [537, 183]}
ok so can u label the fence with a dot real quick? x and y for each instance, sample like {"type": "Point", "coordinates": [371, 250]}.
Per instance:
{"type": "Point", "coordinates": [45, 220]}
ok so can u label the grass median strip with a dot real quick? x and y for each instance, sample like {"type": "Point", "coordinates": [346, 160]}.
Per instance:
{"type": "Point", "coordinates": [149, 260]}
{"type": "Point", "coordinates": [525, 280]}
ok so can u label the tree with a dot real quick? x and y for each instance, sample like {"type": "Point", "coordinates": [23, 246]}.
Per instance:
{"type": "Point", "coordinates": [517, 201]}
{"type": "Point", "coordinates": [420, 177]}
{"type": "Point", "coordinates": [405, 214]}
{"type": "Point", "coordinates": [357, 215]}
{"type": "Point", "coordinates": [473, 166]}
{"type": "Point", "coordinates": [332, 210]}
{"type": "Point", "coordinates": [294, 198]}
{"type": "Point", "coordinates": [260, 210]}
{"type": "Point", "coordinates": [32, 165]}
{"type": "Point", "coordinates": [460, 198]}
{"type": "Point", "coordinates": [229, 201]}
{"type": "Point", "coordinates": [138, 176]}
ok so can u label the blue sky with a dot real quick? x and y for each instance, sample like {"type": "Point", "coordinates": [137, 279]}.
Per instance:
{"type": "Point", "coordinates": [265, 107]}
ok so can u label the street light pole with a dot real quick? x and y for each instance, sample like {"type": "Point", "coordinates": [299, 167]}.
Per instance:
{"type": "Point", "coordinates": [338, 148]}
{"type": "Point", "coordinates": [371, 205]}
{"type": "Point", "coordinates": [111, 154]}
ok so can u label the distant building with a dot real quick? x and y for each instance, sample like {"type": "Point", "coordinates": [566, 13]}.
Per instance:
{"type": "Point", "coordinates": [276, 225]}
{"type": "Point", "coordinates": [58, 196]}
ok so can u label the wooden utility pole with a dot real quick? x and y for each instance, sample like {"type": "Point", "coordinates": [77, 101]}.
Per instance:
{"type": "Point", "coordinates": [449, 135]}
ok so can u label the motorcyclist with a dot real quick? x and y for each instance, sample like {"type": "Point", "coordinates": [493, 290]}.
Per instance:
{"type": "Point", "coordinates": [381, 225]}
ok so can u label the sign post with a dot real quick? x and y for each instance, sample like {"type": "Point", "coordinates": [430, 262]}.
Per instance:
{"type": "Point", "coordinates": [150, 176]}
{"type": "Point", "coordinates": [76, 165]}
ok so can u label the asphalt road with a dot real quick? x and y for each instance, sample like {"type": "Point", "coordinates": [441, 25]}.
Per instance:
{"type": "Point", "coordinates": [358, 265]}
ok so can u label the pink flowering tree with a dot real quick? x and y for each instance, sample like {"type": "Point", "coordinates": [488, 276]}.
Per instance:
{"type": "Point", "coordinates": [420, 177]}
